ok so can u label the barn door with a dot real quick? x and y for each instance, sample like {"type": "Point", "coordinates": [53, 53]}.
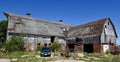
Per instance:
{"type": "Point", "coordinates": [31, 41]}
{"type": "Point", "coordinates": [105, 48]}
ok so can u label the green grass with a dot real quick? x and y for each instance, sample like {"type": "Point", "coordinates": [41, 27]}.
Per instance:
{"type": "Point", "coordinates": [11, 55]}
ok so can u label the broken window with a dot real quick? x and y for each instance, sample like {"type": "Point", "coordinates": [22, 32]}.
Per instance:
{"type": "Point", "coordinates": [38, 43]}
{"type": "Point", "coordinates": [78, 39]}
{"type": "Point", "coordinates": [108, 23]}
{"type": "Point", "coordinates": [105, 26]}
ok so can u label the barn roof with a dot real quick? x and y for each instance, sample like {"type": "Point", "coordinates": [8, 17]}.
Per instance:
{"type": "Point", "coordinates": [45, 27]}
{"type": "Point", "coordinates": [94, 28]}
{"type": "Point", "coordinates": [36, 26]}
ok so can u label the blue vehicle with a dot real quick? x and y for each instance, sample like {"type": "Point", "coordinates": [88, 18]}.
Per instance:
{"type": "Point", "coordinates": [45, 52]}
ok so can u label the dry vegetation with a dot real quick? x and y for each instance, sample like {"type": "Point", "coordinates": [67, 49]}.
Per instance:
{"type": "Point", "coordinates": [23, 56]}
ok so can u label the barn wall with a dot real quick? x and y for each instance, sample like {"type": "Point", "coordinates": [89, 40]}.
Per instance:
{"type": "Point", "coordinates": [46, 39]}
{"type": "Point", "coordinates": [112, 46]}
{"type": "Point", "coordinates": [108, 34]}
{"type": "Point", "coordinates": [97, 47]}
{"type": "Point", "coordinates": [31, 41]}
{"type": "Point", "coordinates": [79, 47]}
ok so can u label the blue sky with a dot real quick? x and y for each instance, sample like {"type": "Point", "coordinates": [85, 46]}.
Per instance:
{"type": "Point", "coordinates": [73, 12]}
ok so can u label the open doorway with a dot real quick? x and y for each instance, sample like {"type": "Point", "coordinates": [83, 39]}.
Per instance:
{"type": "Point", "coordinates": [45, 44]}
{"type": "Point", "coordinates": [88, 48]}
{"type": "Point", "coordinates": [71, 47]}
{"type": "Point", "coordinates": [52, 39]}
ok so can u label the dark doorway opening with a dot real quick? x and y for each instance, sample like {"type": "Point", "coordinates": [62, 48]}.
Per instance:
{"type": "Point", "coordinates": [71, 47]}
{"type": "Point", "coordinates": [77, 40]}
{"type": "Point", "coordinates": [88, 48]}
{"type": "Point", "coordinates": [38, 43]}
{"type": "Point", "coordinates": [52, 39]}
{"type": "Point", "coordinates": [45, 44]}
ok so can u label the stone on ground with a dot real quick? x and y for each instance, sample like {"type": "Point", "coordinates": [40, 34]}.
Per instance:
{"type": "Point", "coordinates": [4, 60]}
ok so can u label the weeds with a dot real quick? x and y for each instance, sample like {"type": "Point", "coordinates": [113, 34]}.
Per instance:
{"type": "Point", "coordinates": [23, 56]}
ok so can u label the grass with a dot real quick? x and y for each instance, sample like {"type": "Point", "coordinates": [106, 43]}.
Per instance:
{"type": "Point", "coordinates": [11, 55]}
{"type": "Point", "coordinates": [100, 57]}
{"type": "Point", "coordinates": [33, 56]}
{"type": "Point", "coordinates": [24, 56]}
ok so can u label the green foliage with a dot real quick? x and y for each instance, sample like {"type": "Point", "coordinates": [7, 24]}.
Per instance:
{"type": "Point", "coordinates": [3, 30]}
{"type": "Point", "coordinates": [107, 52]}
{"type": "Point", "coordinates": [14, 44]}
{"type": "Point", "coordinates": [55, 46]}
{"type": "Point", "coordinates": [15, 54]}
{"type": "Point", "coordinates": [39, 47]}
{"type": "Point", "coordinates": [1, 44]}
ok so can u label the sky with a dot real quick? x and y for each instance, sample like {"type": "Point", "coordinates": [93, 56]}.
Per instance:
{"type": "Point", "coordinates": [74, 12]}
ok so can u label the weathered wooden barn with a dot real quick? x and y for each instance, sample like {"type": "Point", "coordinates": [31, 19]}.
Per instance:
{"type": "Point", "coordinates": [36, 31]}
{"type": "Point", "coordinates": [97, 36]}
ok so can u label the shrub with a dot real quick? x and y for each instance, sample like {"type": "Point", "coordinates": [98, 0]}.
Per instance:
{"type": "Point", "coordinates": [55, 46]}
{"type": "Point", "coordinates": [14, 44]}
{"type": "Point", "coordinates": [39, 47]}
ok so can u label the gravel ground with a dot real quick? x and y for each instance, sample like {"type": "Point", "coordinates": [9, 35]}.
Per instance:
{"type": "Point", "coordinates": [68, 60]}
{"type": "Point", "coordinates": [4, 60]}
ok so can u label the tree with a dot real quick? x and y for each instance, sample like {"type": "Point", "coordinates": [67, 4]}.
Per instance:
{"type": "Point", "coordinates": [3, 30]}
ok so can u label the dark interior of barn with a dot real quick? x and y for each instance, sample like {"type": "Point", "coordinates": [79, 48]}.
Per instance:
{"type": "Point", "coordinates": [88, 48]}
{"type": "Point", "coordinates": [71, 47]}
{"type": "Point", "coordinates": [52, 39]}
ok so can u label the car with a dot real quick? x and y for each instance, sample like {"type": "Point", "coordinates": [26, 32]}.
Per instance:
{"type": "Point", "coordinates": [45, 52]}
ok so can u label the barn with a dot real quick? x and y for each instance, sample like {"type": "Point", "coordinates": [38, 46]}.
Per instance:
{"type": "Point", "coordinates": [97, 36]}
{"type": "Point", "coordinates": [36, 31]}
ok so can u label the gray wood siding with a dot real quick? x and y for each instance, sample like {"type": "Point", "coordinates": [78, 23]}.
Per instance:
{"type": "Point", "coordinates": [108, 34]}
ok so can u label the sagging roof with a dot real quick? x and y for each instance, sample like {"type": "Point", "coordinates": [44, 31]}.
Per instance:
{"type": "Point", "coordinates": [31, 25]}
{"type": "Point", "coordinates": [90, 29]}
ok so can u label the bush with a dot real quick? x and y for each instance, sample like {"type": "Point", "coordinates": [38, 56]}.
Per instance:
{"type": "Point", "coordinates": [55, 46]}
{"type": "Point", "coordinates": [39, 47]}
{"type": "Point", "coordinates": [14, 44]}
